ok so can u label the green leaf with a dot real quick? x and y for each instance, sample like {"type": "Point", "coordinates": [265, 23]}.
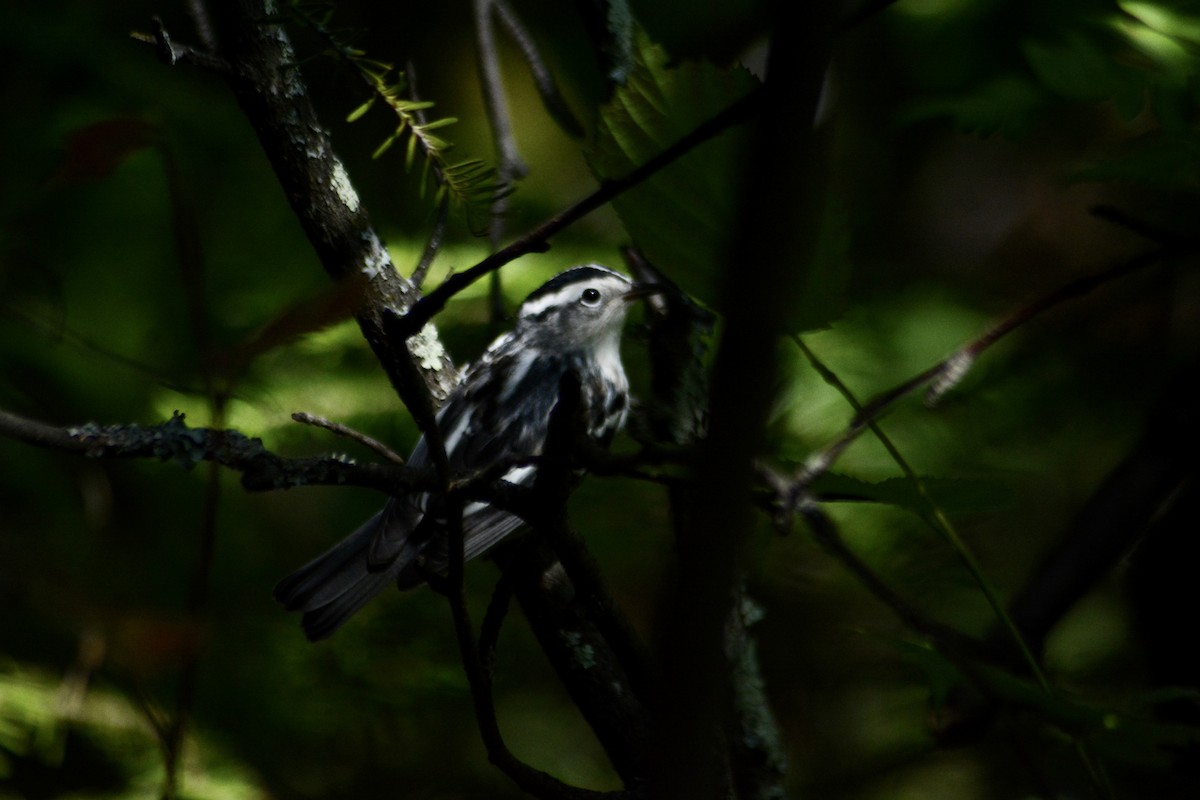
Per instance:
{"type": "Point", "coordinates": [682, 217]}
{"type": "Point", "coordinates": [1180, 20]}
{"type": "Point", "coordinates": [410, 154]}
{"type": "Point", "coordinates": [387, 144]}
{"type": "Point", "coordinates": [412, 105]}
{"type": "Point", "coordinates": [357, 113]}
{"type": "Point", "coordinates": [467, 167]}
{"type": "Point", "coordinates": [1080, 69]}
{"type": "Point", "coordinates": [439, 123]}
{"type": "Point", "coordinates": [1118, 735]}
{"type": "Point", "coordinates": [1008, 104]}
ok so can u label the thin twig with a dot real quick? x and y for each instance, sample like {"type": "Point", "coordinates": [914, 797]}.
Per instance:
{"type": "Point", "coordinates": [493, 619]}
{"type": "Point", "coordinates": [437, 236]}
{"type": "Point", "coordinates": [945, 374]}
{"type": "Point", "coordinates": [433, 245]}
{"type": "Point", "coordinates": [338, 429]}
{"type": "Point", "coordinates": [825, 531]}
{"type": "Point", "coordinates": [543, 80]}
{"type": "Point", "coordinates": [417, 398]}
{"type": "Point", "coordinates": [538, 239]}
{"type": "Point", "coordinates": [936, 517]}
{"type": "Point", "coordinates": [172, 53]}
{"type": "Point", "coordinates": [508, 159]}
{"type": "Point", "coordinates": [967, 654]}
{"type": "Point", "coordinates": [174, 737]}
{"type": "Point", "coordinates": [509, 165]}
{"type": "Point", "coordinates": [58, 334]}
{"type": "Point", "coordinates": [552, 489]}
{"type": "Point", "coordinates": [538, 783]}
{"type": "Point", "coordinates": [957, 365]}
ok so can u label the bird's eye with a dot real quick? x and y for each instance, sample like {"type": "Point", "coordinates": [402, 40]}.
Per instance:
{"type": "Point", "coordinates": [590, 297]}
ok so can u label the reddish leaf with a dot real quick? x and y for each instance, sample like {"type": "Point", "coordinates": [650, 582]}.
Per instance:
{"type": "Point", "coordinates": [92, 153]}
{"type": "Point", "coordinates": [309, 315]}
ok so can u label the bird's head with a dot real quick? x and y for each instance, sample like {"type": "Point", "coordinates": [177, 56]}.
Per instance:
{"type": "Point", "coordinates": [581, 307]}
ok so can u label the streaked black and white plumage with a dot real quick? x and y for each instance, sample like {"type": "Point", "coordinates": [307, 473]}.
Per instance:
{"type": "Point", "coordinates": [498, 415]}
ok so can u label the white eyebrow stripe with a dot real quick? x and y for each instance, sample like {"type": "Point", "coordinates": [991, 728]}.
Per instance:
{"type": "Point", "coordinates": [554, 298]}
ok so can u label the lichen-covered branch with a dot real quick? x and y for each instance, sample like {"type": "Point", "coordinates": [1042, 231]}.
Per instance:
{"type": "Point", "coordinates": [267, 83]}
{"type": "Point", "coordinates": [174, 441]}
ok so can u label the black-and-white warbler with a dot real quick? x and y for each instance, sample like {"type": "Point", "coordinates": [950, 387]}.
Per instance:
{"type": "Point", "coordinates": [498, 415]}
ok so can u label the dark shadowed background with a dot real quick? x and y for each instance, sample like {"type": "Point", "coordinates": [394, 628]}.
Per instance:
{"type": "Point", "coordinates": [966, 145]}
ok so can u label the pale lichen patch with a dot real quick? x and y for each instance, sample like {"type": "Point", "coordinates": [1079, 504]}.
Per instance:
{"type": "Point", "coordinates": [377, 259]}
{"type": "Point", "coordinates": [427, 348]}
{"type": "Point", "coordinates": [342, 186]}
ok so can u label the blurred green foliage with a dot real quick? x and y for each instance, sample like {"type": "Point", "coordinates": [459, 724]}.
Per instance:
{"type": "Point", "coordinates": [965, 144]}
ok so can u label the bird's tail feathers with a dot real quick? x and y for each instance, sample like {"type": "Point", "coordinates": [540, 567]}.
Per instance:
{"type": "Point", "coordinates": [333, 586]}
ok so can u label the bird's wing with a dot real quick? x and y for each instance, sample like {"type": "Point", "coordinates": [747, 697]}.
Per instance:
{"type": "Point", "coordinates": [496, 418]}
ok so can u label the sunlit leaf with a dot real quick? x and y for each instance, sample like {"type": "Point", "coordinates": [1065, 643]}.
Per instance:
{"type": "Point", "coordinates": [439, 123]}
{"type": "Point", "coordinates": [410, 153]}
{"type": "Point", "coordinates": [413, 105]}
{"type": "Point", "coordinates": [1167, 18]}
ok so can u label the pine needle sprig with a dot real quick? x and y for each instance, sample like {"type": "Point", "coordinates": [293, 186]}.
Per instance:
{"type": "Point", "coordinates": [471, 184]}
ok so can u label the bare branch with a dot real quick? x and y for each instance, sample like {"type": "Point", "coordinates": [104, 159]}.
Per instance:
{"type": "Point", "coordinates": [433, 244]}
{"type": "Point", "coordinates": [538, 239]}
{"type": "Point", "coordinates": [339, 429]}
{"type": "Point", "coordinates": [275, 100]}
{"type": "Point", "coordinates": [172, 53]}
{"type": "Point", "coordinates": [543, 80]}
{"type": "Point", "coordinates": [173, 440]}
{"type": "Point", "coordinates": [945, 374]}
{"type": "Point", "coordinates": [39, 433]}
{"type": "Point", "coordinates": [493, 619]}
{"type": "Point", "coordinates": [508, 159]}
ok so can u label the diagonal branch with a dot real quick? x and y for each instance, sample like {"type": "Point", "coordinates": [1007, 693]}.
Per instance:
{"type": "Point", "coordinates": [271, 91]}
{"type": "Point", "coordinates": [538, 239]}
{"type": "Point", "coordinates": [947, 373]}
{"type": "Point", "coordinates": [553, 100]}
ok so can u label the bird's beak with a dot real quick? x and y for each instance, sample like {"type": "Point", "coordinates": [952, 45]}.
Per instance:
{"type": "Point", "coordinates": [640, 291]}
